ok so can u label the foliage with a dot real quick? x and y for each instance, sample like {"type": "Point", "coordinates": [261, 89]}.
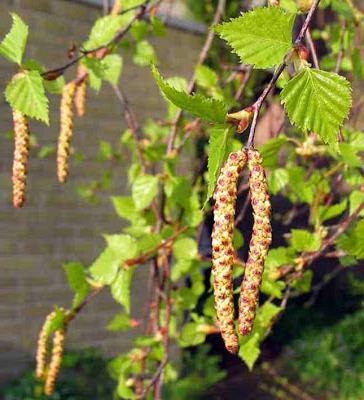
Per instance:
{"type": "Point", "coordinates": [330, 361]}
{"type": "Point", "coordinates": [163, 216]}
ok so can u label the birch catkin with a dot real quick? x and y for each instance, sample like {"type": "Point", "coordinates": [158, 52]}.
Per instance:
{"type": "Point", "coordinates": [21, 154]}
{"type": "Point", "coordinates": [81, 90]}
{"type": "Point", "coordinates": [56, 361]}
{"type": "Point", "coordinates": [222, 247]}
{"type": "Point", "coordinates": [41, 355]}
{"type": "Point", "coordinates": [66, 131]}
{"type": "Point", "coordinates": [259, 243]}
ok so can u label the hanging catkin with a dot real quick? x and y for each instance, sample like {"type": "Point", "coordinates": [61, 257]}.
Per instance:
{"type": "Point", "coordinates": [66, 131]}
{"type": "Point", "coordinates": [56, 361]}
{"type": "Point", "coordinates": [21, 154]}
{"type": "Point", "coordinates": [259, 243]}
{"type": "Point", "coordinates": [41, 355]}
{"type": "Point", "coordinates": [81, 90]}
{"type": "Point", "coordinates": [222, 247]}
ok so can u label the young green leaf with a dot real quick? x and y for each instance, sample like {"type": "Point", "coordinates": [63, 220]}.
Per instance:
{"type": "Point", "coordinates": [76, 278]}
{"type": "Point", "coordinates": [105, 267]}
{"type": "Point", "coordinates": [13, 45]}
{"type": "Point", "coordinates": [261, 37]}
{"type": "Point", "coordinates": [145, 188]}
{"type": "Point", "coordinates": [317, 101]}
{"type": "Point", "coordinates": [25, 93]}
{"type": "Point", "coordinates": [219, 147]}
{"type": "Point", "coordinates": [303, 240]}
{"type": "Point", "coordinates": [104, 29]}
{"type": "Point", "coordinates": [144, 54]}
{"type": "Point", "coordinates": [120, 288]}
{"type": "Point", "coordinates": [113, 64]}
{"type": "Point", "coordinates": [198, 105]}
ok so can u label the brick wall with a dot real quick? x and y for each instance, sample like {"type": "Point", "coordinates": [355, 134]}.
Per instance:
{"type": "Point", "coordinates": [55, 226]}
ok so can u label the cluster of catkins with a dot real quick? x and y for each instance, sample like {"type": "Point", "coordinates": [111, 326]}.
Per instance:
{"type": "Point", "coordinates": [74, 93]}
{"type": "Point", "coordinates": [49, 373]}
{"type": "Point", "coordinates": [223, 254]}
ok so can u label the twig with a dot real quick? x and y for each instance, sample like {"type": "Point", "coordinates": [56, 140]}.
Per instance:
{"type": "Point", "coordinates": [243, 210]}
{"type": "Point", "coordinates": [258, 104]}
{"type": "Point", "coordinates": [132, 124]}
{"type": "Point", "coordinates": [201, 59]}
{"type": "Point", "coordinates": [340, 54]}
{"type": "Point", "coordinates": [100, 51]}
{"type": "Point", "coordinates": [312, 48]}
{"type": "Point", "coordinates": [244, 82]}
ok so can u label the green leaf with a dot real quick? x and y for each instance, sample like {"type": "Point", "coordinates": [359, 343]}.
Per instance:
{"type": "Point", "coordinates": [55, 86]}
{"type": "Point", "coordinates": [113, 64]}
{"type": "Point", "coordinates": [270, 151]}
{"type": "Point", "coordinates": [124, 207]}
{"type": "Point", "coordinates": [190, 335]}
{"type": "Point", "coordinates": [303, 240]}
{"type": "Point", "coordinates": [350, 155]}
{"type": "Point", "coordinates": [105, 267]}
{"type": "Point", "coordinates": [13, 45]}
{"type": "Point", "coordinates": [121, 322]}
{"type": "Point", "coordinates": [76, 278]}
{"type": "Point", "coordinates": [144, 189]}
{"type": "Point", "coordinates": [144, 54]}
{"type": "Point", "coordinates": [185, 249]}
{"type": "Point", "coordinates": [219, 147]}
{"type": "Point", "coordinates": [25, 93]}
{"type": "Point", "coordinates": [303, 285]}
{"type": "Point", "coordinates": [317, 101]}
{"type": "Point", "coordinates": [353, 242]}
{"type": "Point", "coordinates": [327, 212]}
{"type": "Point", "coordinates": [250, 350]}
{"type": "Point", "coordinates": [104, 29]}
{"type": "Point", "coordinates": [261, 37]}
{"type": "Point", "coordinates": [205, 76]}
{"type": "Point", "coordinates": [355, 200]}
{"type": "Point", "coordinates": [197, 105]}
{"type": "Point", "coordinates": [120, 288]}
{"type": "Point", "coordinates": [123, 246]}
{"type": "Point", "coordinates": [277, 180]}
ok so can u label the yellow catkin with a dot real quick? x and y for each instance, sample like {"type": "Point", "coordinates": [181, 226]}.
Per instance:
{"type": "Point", "coordinates": [56, 361]}
{"type": "Point", "coordinates": [66, 131]}
{"type": "Point", "coordinates": [21, 154]}
{"type": "Point", "coordinates": [41, 354]}
{"type": "Point", "coordinates": [116, 8]}
{"type": "Point", "coordinates": [259, 243]}
{"type": "Point", "coordinates": [81, 91]}
{"type": "Point", "coordinates": [223, 254]}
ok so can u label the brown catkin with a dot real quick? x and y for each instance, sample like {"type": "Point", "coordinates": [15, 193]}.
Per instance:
{"type": "Point", "coordinates": [223, 254]}
{"type": "Point", "coordinates": [81, 91]}
{"type": "Point", "coordinates": [66, 131]}
{"type": "Point", "coordinates": [56, 361]}
{"type": "Point", "coordinates": [41, 354]}
{"type": "Point", "coordinates": [259, 243]}
{"type": "Point", "coordinates": [21, 154]}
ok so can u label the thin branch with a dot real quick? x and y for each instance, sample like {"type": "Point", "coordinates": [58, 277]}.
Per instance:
{"type": "Point", "coordinates": [340, 54]}
{"type": "Point", "coordinates": [201, 59]}
{"type": "Point", "coordinates": [243, 84]}
{"type": "Point", "coordinates": [312, 47]}
{"type": "Point", "coordinates": [258, 104]}
{"type": "Point", "coordinates": [132, 124]}
{"type": "Point", "coordinates": [100, 51]}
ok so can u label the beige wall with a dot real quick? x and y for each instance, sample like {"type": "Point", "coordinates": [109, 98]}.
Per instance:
{"type": "Point", "coordinates": [55, 226]}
